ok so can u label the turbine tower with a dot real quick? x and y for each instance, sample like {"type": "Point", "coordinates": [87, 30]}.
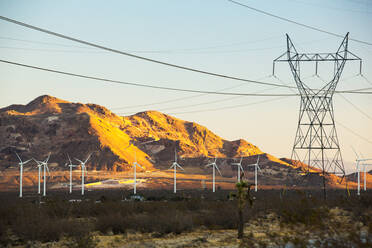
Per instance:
{"type": "Point", "coordinates": [214, 166]}
{"type": "Point", "coordinates": [83, 170]}
{"type": "Point", "coordinates": [174, 166]}
{"type": "Point", "coordinates": [239, 167]}
{"type": "Point", "coordinates": [71, 166]}
{"type": "Point", "coordinates": [39, 165]}
{"type": "Point", "coordinates": [135, 164]}
{"type": "Point", "coordinates": [255, 172]}
{"type": "Point", "coordinates": [316, 142]}
{"type": "Point", "coordinates": [21, 163]}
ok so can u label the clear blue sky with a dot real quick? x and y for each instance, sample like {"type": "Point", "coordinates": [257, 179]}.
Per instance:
{"type": "Point", "coordinates": [213, 35]}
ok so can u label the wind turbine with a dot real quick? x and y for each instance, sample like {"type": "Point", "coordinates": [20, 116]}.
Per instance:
{"type": "Point", "coordinates": [70, 165]}
{"type": "Point", "coordinates": [358, 163]}
{"type": "Point", "coordinates": [45, 167]}
{"type": "Point", "coordinates": [21, 163]}
{"type": "Point", "coordinates": [135, 164]}
{"type": "Point", "coordinates": [174, 166]}
{"type": "Point", "coordinates": [83, 169]}
{"type": "Point", "coordinates": [239, 167]}
{"type": "Point", "coordinates": [214, 165]}
{"type": "Point", "coordinates": [255, 172]}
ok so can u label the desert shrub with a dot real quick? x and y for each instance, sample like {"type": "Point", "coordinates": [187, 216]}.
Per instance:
{"type": "Point", "coordinates": [80, 234]}
{"type": "Point", "coordinates": [110, 222]}
{"type": "Point", "coordinates": [42, 229]}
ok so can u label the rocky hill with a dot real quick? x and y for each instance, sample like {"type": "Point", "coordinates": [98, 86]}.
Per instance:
{"type": "Point", "coordinates": [48, 124]}
{"type": "Point", "coordinates": [51, 124]}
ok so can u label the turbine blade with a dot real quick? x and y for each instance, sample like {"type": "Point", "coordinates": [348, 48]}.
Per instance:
{"type": "Point", "coordinates": [79, 160]}
{"type": "Point", "coordinates": [215, 159]}
{"type": "Point", "coordinates": [88, 158]}
{"type": "Point", "coordinates": [47, 169]}
{"type": "Point", "coordinates": [137, 164]}
{"type": "Point", "coordinates": [180, 167]}
{"type": "Point", "coordinates": [175, 155]}
{"type": "Point", "coordinates": [258, 159]}
{"type": "Point", "coordinates": [18, 157]}
{"type": "Point", "coordinates": [37, 161]}
{"type": "Point", "coordinates": [69, 159]}
{"type": "Point", "coordinates": [356, 154]}
{"type": "Point", "coordinates": [48, 157]}
{"type": "Point", "coordinates": [27, 161]}
{"type": "Point", "coordinates": [241, 167]}
{"type": "Point", "coordinates": [258, 167]}
{"type": "Point", "coordinates": [241, 159]}
{"type": "Point", "coordinates": [218, 169]}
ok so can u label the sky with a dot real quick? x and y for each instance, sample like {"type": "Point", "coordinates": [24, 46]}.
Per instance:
{"type": "Point", "coordinates": [211, 35]}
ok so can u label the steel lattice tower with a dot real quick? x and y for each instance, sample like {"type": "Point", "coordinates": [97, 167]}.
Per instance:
{"type": "Point", "coordinates": [316, 143]}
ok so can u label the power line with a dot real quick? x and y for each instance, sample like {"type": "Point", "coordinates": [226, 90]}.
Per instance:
{"type": "Point", "coordinates": [180, 98]}
{"type": "Point", "coordinates": [171, 100]}
{"type": "Point", "coordinates": [141, 85]}
{"type": "Point", "coordinates": [135, 56]}
{"type": "Point", "coordinates": [42, 42]}
{"type": "Point", "coordinates": [201, 50]}
{"type": "Point", "coordinates": [331, 7]}
{"type": "Point", "coordinates": [356, 91]}
{"type": "Point", "coordinates": [199, 95]}
{"type": "Point", "coordinates": [355, 133]}
{"type": "Point", "coordinates": [356, 107]}
{"type": "Point", "coordinates": [48, 50]}
{"type": "Point", "coordinates": [297, 23]}
{"type": "Point", "coordinates": [156, 51]}
{"type": "Point", "coordinates": [230, 107]}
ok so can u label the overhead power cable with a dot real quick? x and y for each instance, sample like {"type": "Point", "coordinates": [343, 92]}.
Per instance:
{"type": "Point", "coordinates": [356, 107]}
{"type": "Point", "coordinates": [195, 49]}
{"type": "Point", "coordinates": [200, 95]}
{"type": "Point", "coordinates": [136, 56]}
{"type": "Point", "coordinates": [297, 23]}
{"type": "Point", "coordinates": [353, 132]}
{"type": "Point", "coordinates": [142, 85]}
{"type": "Point", "coordinates": [230, 107]}
{"type": "Point", "coordinates": [357, 91]}
{"type": "Point", "coordinates": [180, 98]}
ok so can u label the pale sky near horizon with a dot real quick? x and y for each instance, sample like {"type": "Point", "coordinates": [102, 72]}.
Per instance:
{"type": "Point", "coordinates": [211, 35]}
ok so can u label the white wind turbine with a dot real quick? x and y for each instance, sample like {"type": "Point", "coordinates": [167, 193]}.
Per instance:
{"type": "Point", "coordinates": [135, 164]}
{"type": "Point", "coordinates": [45, 167]}
{"type": "Point", "coordinates": [83, 170]}
{"type": "Point", "coordinates": [21, 163]}
{"type": "Point", "coordinates": [214, 165]}
{"type": "Point", "coordinates": [174, 166]}
{"type": "Point", "coordinates": [361, 161]}
{"type": "Point", "coordinates": [71, 166]}
{"type": "Point", "coordinates": [255, 172]}
{"type": "Point", "coordinates": [239, 167]}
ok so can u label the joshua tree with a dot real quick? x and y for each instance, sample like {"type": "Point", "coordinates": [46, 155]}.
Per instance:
{"type": "Point", "coordinates": [242, 195]}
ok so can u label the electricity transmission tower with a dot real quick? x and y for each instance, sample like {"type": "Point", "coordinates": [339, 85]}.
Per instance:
{"type": "Point", "coordinates": [316, 143]}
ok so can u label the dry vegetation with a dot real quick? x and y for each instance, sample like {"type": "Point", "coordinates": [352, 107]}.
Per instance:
{"type": "Point", "coordinates": [188, 219]}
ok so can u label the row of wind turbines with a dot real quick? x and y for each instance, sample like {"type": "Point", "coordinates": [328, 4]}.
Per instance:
{"type": "Point", "coordinates": [44, 164]}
